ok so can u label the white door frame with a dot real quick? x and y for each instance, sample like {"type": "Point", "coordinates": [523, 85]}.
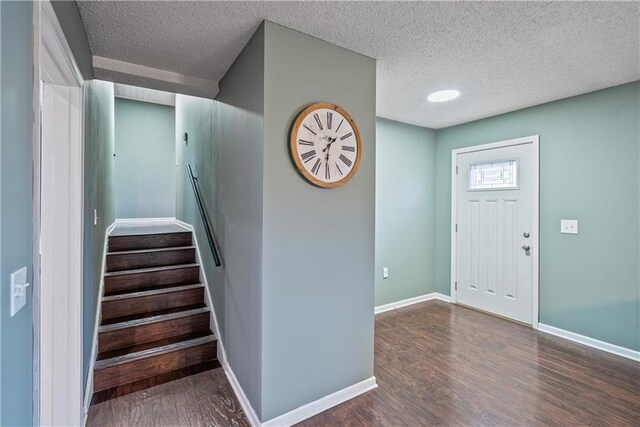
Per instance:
{"type": "Point", "coordinates": [535, 235]}
{"type": "Point", "coordinates": [54, 363]}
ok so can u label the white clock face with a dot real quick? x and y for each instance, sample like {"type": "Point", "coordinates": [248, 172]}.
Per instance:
{"type": "Point", "coordinates": [326, 145]}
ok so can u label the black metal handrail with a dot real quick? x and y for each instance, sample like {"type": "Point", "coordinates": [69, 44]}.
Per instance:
{"type": "Point", "coordinates": [205, 220]}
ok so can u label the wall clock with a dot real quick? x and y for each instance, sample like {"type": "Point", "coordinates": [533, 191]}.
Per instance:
{"type": "Point", "coordinates": [325, 145]}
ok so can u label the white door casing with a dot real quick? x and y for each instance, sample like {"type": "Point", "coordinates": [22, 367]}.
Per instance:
{"type": "Point", "coordinates": [58, 224]}
{"type": "Point", "coordinates": [61, 275]}
{"type": "Point", "coordinates": [492, 228]}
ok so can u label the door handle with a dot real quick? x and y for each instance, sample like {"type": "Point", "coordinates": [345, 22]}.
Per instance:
{"type": "Point", "coordinates": [526, 248]}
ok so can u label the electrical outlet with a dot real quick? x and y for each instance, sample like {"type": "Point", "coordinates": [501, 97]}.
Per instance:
{"type": "Point", "coordinates": [569, 226]}
{"type": "Point", "coordinates": [385, 272]}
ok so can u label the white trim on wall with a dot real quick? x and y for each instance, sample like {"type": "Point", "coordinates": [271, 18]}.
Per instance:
{"type": "Point", "coordinates": [145, 221]}
{"type": "Point", "coordinates": [590, 342]}
{"type": "Point", "coordinates": [535, 240]}
{"type": "Point", "coordinates": [237, 388]}
{"type": "Point", "coordinates": [57, 236]}
{"type": "Point", "coordinates": [88, 391]}
{"type": "Point", "coordinates": [317, 406]}
{"type": "Point", "coordinates": [410, 301]}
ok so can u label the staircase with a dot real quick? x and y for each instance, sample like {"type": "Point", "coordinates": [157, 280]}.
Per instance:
{"type": "Point", "coordinates": [155, 324]}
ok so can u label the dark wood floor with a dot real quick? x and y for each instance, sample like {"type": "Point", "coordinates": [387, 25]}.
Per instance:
{"type": "Point", "coordinates": [204, 399]}
{"type": "Point", "coordinates": [436, 364]}
{"type": "Point", "coordinates": [441, 364]}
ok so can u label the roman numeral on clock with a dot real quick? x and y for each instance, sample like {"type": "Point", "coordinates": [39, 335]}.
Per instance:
{"type": "Point", "coordinates": [305, 142]}
{"type": "Point", "coordinates": [348, 148]}
{"type": "Point", "coordinates": [327, 173]}
{"type": "Point", "coordinates": [338, 128]}
{"type": "Point", "coordinates": [345, 160]}
{"type": "Point", "coordinates": [329, 119]}
{"type": "Point", "coordinates": [309, 129]}
{"type": "Point", "coordinates": [315, 116]}
{"type": "Point", "coordinates": [308, 155]}
{"type": "Point", "coordinates": [316, 167]}
{"type": "Point", "coordinates": [339, 170]}
{"type": "Point", "coordinates": [343, 137]}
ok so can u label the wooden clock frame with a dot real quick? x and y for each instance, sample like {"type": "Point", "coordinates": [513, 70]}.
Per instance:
{"type": "Point", "coordinates": [293, 145]}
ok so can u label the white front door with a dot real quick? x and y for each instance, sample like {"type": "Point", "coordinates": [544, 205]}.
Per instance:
{"type": "Point", "coordinates": [496, 230]}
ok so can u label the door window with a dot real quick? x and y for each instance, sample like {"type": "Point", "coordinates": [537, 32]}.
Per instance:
{"type": "Point", "coordinates": [500, 175]}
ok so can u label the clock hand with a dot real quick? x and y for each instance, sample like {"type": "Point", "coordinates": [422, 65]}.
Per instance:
{"type": "Point", "coordinates": [331, 141]}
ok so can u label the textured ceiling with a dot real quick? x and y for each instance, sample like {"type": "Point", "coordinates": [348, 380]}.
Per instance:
{"type": "Point", "coordinates": [502, 56]}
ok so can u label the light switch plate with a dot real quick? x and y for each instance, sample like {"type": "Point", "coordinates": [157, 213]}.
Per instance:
{"type": "Point", "coordinates": [569, 226]}
{"type": "Point", "coordinates": [385, 272]}
{"type": "Point", "coordinates": [18, 290]}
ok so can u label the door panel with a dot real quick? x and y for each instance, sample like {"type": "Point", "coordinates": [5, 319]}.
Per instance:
{"type": "Point", "coordinates": [495, 202]}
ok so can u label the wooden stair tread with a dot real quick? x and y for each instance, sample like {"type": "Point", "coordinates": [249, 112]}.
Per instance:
{"type": "Point", "coordinates": [140, 355]}
{"type": "Point", "coordinates": [151, 292]}
{"type": "Point", "coordinates": [151, 314]}
{"type": "Point", "coordinates": [151, 319]}
{"type": "Point", "coordinates": [129, 242]}
{"type": "Point", "coordinates": [150, 269]}
{"type": "Point", "coordinates": [138, 347]}
{"type": "Point", "coordinates": [152, 250]}
{"type": "Point", "coordinates": [143, 233]}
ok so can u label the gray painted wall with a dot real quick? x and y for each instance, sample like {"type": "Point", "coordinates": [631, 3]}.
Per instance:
{"type": "Point", "coordinates": [146, 160]}
{"type": "Point", "coordinates": [252, 193]}
{"type": "Point", "coordinates": [238, 132]}
{"type": "Point", "coordinates": [405, 210]}
{"type": "Point", "coordinates": [16, 211]}
{"type": "Point", "coordinates": [317, 329]}
{"type": "Point", "coordinates": [99, 147]}
{"type": "Point", "coordinates": [195, 115]}
{"type": "Point", "coordinates": [589, 170]}
{"type": "Point", "coordinates": [225, 148]}
{"type": "Point", "coordinates": [69, 17]}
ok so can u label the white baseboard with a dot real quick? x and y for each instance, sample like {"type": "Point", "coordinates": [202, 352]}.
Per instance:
{"type": "Point", "coordinates": [237, 388]}
{"type": "Point", "coordinates": [88, 390]}
{"type": "Point", "coordinates": [145, 221]}
{"type": "Point", "coordinates": [317, 406]}
{"type": "Point", "coordinates": [213, 323]}
{"type": "Point", "coordinates": [184, 225]}
{"type": "Point", "coordinates": [410, 301]}
{"type": "Point", "coordinates": [222, 357]}
{"type": "Point", "coordinates": [590, 342]}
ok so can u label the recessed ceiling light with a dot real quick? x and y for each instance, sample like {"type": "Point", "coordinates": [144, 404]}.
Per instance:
{"type": "Point", "coordinates": [443, 95]}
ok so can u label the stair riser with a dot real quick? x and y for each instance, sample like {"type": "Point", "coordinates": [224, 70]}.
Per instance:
{"type": "Point", "coordinates": [141, 281]}
{"type": "Point", "coordinates": [129, 261]}
{"type": "Point", "coordinates": [147, 304]}
{"type": "Point", "coordinates": [137, 370]}
{"type": "Point", "coordinates": [113, 392]}
{"type": "Point", "coordinates": [126, 337]}
{"type": "Point", "coordinates": [149, 241]}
